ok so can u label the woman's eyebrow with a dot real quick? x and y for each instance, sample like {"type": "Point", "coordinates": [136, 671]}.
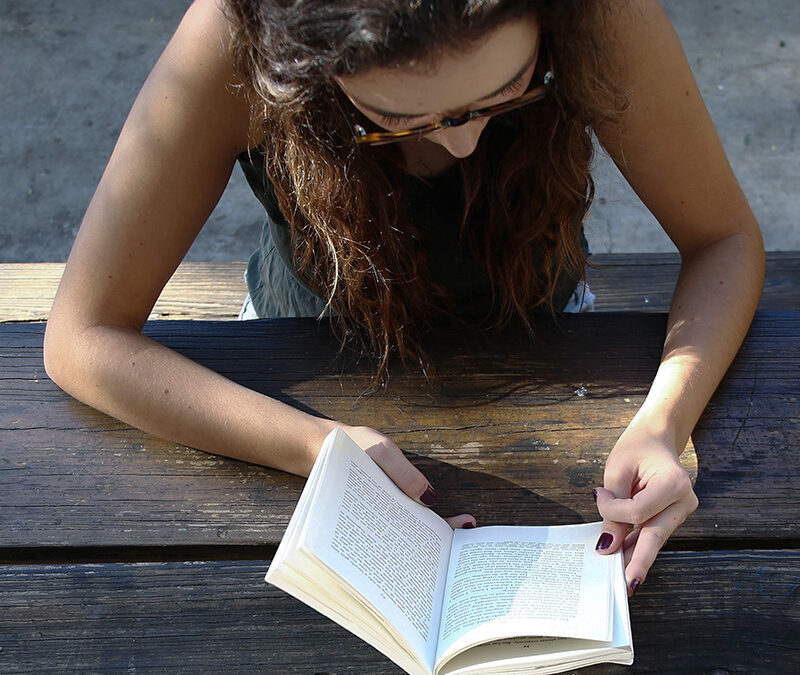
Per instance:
{"type": "Point", "coordinates": [519, 74]}
{"type": "Point", "coordinates": [497, 91]}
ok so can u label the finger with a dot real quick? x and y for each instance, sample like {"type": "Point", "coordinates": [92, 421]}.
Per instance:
{"type": "Point", "coordinates": [629, 545]}
{"type": "Point", "coordinates": [651, 538]}
{"type": "Point", "coordinates": [656, 496]}
{"type": "Point", "coordinates": [613, 531]}
{"type": "Point", "coordinates": [612, 534]}
{"type": "Point", "coordinates": [465, 520]}
{"type": "Point", "coordinates": [631, 539]}
{"type": "Point", "coordinates": [404, 474]}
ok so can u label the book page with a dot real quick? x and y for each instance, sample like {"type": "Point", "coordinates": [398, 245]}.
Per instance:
{"type": "Point", "coordinates": [536, 581]}
{"type": "Point", "coordinates": [301, 574]}
{"type": "Point", "coordinates": [528, 654]}
{"type": "Point", "coordinates": [390, 549]}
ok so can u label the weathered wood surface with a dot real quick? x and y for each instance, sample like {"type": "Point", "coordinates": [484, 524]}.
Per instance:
{"type": "Point", "coordinates": [197, 290]}
{"type": "Point", "coordinates": [643, 282]}
{"type": "Point", "coordinates": [507, 436]}
{"type": "Point", "coordinates": [215, 291]}
{"type": "Point", "coordinates": [697, 612]}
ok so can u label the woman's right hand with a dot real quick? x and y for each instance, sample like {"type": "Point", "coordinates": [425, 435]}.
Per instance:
{"type": "Point", "coordinates": [389, 457]}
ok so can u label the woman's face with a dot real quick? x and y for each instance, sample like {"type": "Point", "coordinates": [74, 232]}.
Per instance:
{"type": "Point", "coordinates": [497, 69]}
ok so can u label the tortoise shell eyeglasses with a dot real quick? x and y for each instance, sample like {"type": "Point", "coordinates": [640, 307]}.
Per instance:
{"type": "Point", "coordinates": [364, 137]}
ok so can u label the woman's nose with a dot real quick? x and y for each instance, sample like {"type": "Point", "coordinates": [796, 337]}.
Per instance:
{"type": "Point", "coordinates": [460, 141]}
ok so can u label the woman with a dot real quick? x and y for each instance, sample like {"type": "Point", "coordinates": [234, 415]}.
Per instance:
{"type": "Point", "coordinates": [315, 99]}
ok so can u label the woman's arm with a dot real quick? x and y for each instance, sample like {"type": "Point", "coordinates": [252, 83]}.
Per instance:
{"type": "Point", "coordinates": [169, 167]}
{"type": "Point", "coordinates": [666, 146]}
{"type": "Point", "coordinates": [167, 172]}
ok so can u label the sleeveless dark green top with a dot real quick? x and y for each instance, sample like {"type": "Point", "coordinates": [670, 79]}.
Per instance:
{"type": "Point", "coordinates": [436, 207]}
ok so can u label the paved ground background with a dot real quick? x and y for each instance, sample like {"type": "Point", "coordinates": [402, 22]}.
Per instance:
{"type": "Point", "coordinates": [71, 69]}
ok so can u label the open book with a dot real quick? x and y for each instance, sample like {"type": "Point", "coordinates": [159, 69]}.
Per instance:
{"type": "Point", "coordinates": [441, 601]}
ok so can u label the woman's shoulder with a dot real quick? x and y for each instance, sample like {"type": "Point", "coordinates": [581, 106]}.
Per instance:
{"type": "Point", "coordinates": [197, 69]}
{"type": "Point", "coordinates": [633, 30]}
{"type": "Point", "coordinates": [664, 142]}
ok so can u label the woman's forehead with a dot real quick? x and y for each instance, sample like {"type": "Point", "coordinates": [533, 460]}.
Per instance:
{"type": "Point", "coordinates": [456, 80]}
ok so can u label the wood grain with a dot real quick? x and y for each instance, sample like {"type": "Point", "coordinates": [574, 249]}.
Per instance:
{"type": "Point", "coordinates": [197, 290]}
{"type": "Point", "coordinates": [709, 612]}
{"type": "Point", "coordinates": [643, 282]}
{"type": "Point", "coordinates": [215, 291]}
{"type": "Point", "coordinates": [506, 434]}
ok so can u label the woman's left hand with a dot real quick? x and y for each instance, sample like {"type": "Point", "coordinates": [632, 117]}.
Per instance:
{"type": "Point", "coordinates": [645, 486]}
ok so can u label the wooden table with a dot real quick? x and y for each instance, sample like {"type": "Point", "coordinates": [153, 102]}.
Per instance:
{"type": "Point", "coordinates": [121, 551]}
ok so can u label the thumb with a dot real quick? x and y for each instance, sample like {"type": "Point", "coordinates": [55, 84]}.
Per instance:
{"type": "Point", "coordinates": [613, 532]}
{"type": "Point", "coordinates": [465, 521]}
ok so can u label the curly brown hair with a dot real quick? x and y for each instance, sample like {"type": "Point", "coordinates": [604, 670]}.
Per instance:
{"type": "Point", "coordinates": [354, 243]}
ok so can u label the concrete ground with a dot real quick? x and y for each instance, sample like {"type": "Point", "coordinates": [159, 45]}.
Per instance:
{"type": "Point", "coordinates": [71, 69]}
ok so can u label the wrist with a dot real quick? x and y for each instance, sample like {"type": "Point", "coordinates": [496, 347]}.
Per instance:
{"type": "Point", "coordinates": [320, 427]}
{"type": "Point", "coordinates": [657, 427]}
{"type": "Point", "coordinates": [672, 406]}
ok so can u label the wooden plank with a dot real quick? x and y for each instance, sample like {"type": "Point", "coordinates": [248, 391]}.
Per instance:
{"type": "Point", "coordinates": [507, 434]}
{"type": "Point", "coordinates": [644, 282]}
{"type": "Point", "coordinates": [215, 291]}
{"type": "Point", "coordinates": [210, 617]}
{"type": "Point", "coordinates": [198, 290]}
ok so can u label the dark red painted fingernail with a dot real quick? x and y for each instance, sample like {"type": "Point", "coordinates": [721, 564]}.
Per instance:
{"type": "Point", "coordinates": [635, 585]}
{"type": "Point", "coordinates": [594, 493]}
{"type": "Point", "coordinates": [604, 542]}
{"type": "Point", "coordinates": [468, 526]}
{"type": "Point", "coordinates": [429, 497]}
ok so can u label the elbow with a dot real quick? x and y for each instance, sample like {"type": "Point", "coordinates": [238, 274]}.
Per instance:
{"type": "Point", "coordinates": [754, 247]}
{"type": "Point", "coordinates": [748, 249]}
{"type": "Point", "coordinates": [61, 359]}
{"type": "Point", "coordinates": [83, 359]}
{"type": "Point", "coordinates": [761, 255]}
{"type": "Point", "coordinates": [67, 355]}
{"type": "Point", "coordinates": [755, 242]}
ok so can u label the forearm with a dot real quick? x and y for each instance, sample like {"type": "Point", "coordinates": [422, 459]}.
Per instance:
{"type": "Point", "coordinates": [133, 378]}
{"type": "Point", "coordinates": [715, 298]}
